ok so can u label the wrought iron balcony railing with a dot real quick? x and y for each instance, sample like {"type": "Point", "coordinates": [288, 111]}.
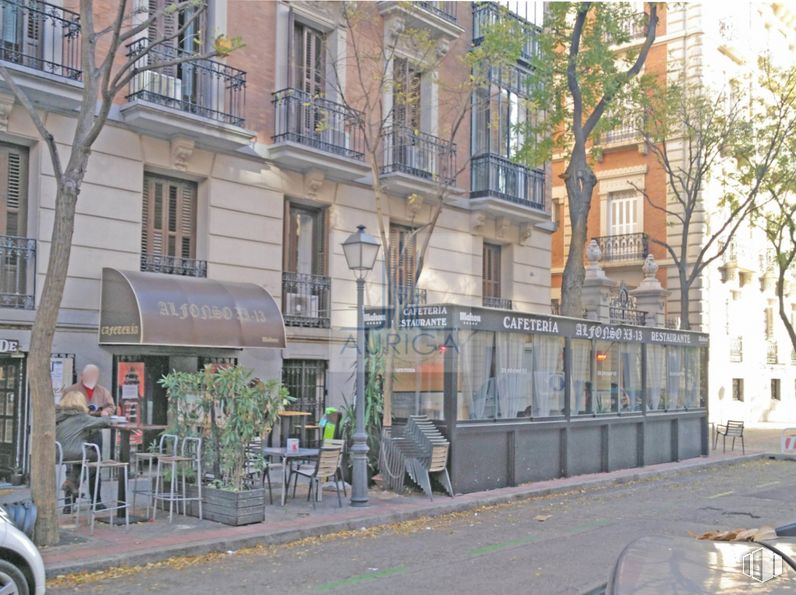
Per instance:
{"type": "Point", "coordinates": [629, 246]}
{"type": "Point", "coordinates": [492, 175]}
{"type": "Point", "coordinates": [736, 349]}
{"type": "Point", "coordinates": [486, 14]}
{"type": "Point", "coordinates": [772, 352]}
{"type": "Point", "coordinates": [17, 272]}
{"type": "Point", "coordinates": [205, 88]}
{"type": "Point", "coordinates": [632, 29]}
{"type": "Point", "coordinates": [622, 308]}
{"type": "Point", "coordinates": [627, 131]}
{"type": "Point", "coordinates": [173, 265]}
{"type": "Point", "coordinates": [441, 8]}
{"type": "Point", "coordinates": [318, 123]}
{"type": "Point", "coordinates": [497, 302]}
{"type": "Point", "coordinates": [41, 36]}
{"type": "Point", "coordinates": [418, 154]}
{"type": "Point", "coordinates": [404, 295]}
{"type": "Point", "coordinates": [306, 299]}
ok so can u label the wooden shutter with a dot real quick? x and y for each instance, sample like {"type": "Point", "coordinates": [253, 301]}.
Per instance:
{"type": "Point", "coordinates": [32, 35]}
{"type": "Point", "coordinates": [308, 54]}
{"type": "Point", "coordinates": [168, 218]}
{"type": "Point", "coordinates": [13, 190]}
{"type": "Point", "coordinates": [406, 94]}
{"type": "Point", "coordinates": [321, 243]}
{"type": "Point", "coordinates": [403, 255]}
{"type": "Point", "coordinates": [165, 26]}
{"type": "Point", "coordinates": [491, 270]}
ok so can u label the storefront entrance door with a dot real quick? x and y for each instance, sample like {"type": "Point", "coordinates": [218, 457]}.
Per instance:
{"type": "Point", "coordinates": [10, 410]}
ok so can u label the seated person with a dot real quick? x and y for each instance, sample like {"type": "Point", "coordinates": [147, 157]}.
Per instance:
{"type": "Point", "coordinates": [73, 427]}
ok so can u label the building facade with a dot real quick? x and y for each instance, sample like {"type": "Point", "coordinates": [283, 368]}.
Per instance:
{"type": "Point", "coordinates": [752, 369]}
{"type": "Point", "coordinates": [219, 170]}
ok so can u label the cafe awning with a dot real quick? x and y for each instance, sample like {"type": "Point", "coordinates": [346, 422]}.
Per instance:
{"type": "Point", "coordinates": [171, 310]}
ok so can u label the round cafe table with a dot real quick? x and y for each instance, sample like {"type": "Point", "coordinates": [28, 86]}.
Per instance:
{"type": "Point", "coordinates": [125, 430]}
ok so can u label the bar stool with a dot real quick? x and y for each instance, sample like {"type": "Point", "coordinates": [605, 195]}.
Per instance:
{"type": "Point", "coordinates": [189, 458]}
{"type": "Point", "coordinates": [167, 446]}
{"type": "Point", "coordinates": [92, 459]}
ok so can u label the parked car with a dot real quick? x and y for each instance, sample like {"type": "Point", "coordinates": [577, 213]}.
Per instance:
{"type": "Point", "coordinates": [21, 566]}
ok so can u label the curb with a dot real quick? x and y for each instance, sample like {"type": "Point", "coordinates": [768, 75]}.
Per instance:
{"type": "Point", "coordinates": [325, 528]}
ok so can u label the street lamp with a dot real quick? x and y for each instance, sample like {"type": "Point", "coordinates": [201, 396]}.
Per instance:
{"type": "Point", "coordinates": [360, 251]}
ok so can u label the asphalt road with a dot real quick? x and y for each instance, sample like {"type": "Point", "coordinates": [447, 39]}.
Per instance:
{"type": "Point", "coordinates": [505, 549]}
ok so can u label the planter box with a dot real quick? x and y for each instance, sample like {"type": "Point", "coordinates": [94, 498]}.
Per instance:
{"type": "Point", "coordinates": [230, 508]}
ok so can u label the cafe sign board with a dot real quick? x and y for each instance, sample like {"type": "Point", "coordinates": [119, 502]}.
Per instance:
{"type": "Point", "coordinates": [9, 346]}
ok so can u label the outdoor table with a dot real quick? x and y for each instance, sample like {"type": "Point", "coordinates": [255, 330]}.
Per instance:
{"type": "Point", "coordinates": [301, 453]}
{"type": "Point", "coordinates": [125, 429]}
{"type": "Point", "coordinates": [289, 413]}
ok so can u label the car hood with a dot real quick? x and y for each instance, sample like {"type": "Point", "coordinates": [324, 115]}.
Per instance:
{"type": "Point", "coordinates": [658, 565]}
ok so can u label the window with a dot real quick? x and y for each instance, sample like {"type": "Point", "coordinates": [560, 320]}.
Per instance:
{"type": "Point", "coordinates": [403, 262]}
{"type": "Point", "coordinates": [175, 32]}
{"type": "Point", "coordinates": [305, 380]}
{"type": "Point", "coordinates": [406, 97]}
{"type": "Point", "coordinates": [500, 113]}
{"type": "Point", "coordinates": [308, 60]}
{"type": "Point", "coordinates": [305, 240]}
{"type": "Point", "coordinates": [776, 389]}
{"type": "Point", "coordinates": [768, 323]}
{"type": "Point", "coordinates": [623, 213]}
{"type": "Point", "coordinates": [491, 271]}
{"type": "Point", "coordinates": [737, 389]}
{"type": "Point", "coordinates": [13, 190]}
{"type": "Point", "coordinates": [169, 218]}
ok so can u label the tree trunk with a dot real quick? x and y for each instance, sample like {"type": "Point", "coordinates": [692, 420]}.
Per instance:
{"type": "Point", "coordinates": [42, 480]}
{"type": "Point", "coordinates": [580, 181]}
{"type": "Point", "coordinates": [685, 302]}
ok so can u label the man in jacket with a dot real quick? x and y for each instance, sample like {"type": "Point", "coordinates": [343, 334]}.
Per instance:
{"type": "Point", "coordinates": [99, 399]}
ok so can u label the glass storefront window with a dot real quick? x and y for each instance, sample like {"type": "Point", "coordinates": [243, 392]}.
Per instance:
{"type": "Point", "coordinates": [656, 377]}
{"type": "Point", "coordinates": [581, 387]}
{"type": "Point", "coordinates": [510, 375]}
{"type": "Point", "coordinates": [617, 377]}
{"type": "Point", "coordinates": [419, 373]}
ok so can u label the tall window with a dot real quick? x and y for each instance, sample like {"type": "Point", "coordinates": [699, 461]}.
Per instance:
{"type": "Point", "coordinates": [403, 259]}
{"type": "Point", "coordinates": [305, 240]}
{"type": "Point", "coordinates": [491, 270]}
{"type": "Point", "coordinates": [500, 113]}
{"type": "Point", "coordinates": [13, 190]}
{"type": "Point", "coordinates": [737, 389]}
{"type": "Point", "coordinates": [169, 218]}
{"type": "Point", "coordinates": [305, 380]}
{"type": "Point", "coordinates": [776, 389]}
{"type": "Point", "coordinates": [308, 60]}
{"type": "Point", "coordinates": [624, 213]}
{"type": "Point", "coordinates": [768, 323]}
{"type": "Point", "coordinates": [406, 94]}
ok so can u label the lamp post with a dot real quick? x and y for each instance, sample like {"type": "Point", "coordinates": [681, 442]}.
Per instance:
{"type": "Point", "coordinates": [360, 251]}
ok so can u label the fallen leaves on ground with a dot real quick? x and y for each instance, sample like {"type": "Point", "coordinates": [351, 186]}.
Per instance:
{"type": "Point", "coordinates": [757, 534]}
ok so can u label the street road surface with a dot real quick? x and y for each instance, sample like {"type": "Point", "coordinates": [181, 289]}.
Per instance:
{"type": "Point", "coordinates": [503, 549]}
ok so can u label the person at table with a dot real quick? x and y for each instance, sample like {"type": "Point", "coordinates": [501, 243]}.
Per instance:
{"type": "Point", "coordinates": [73, 427]}
{"type": "Point", "coordinates": [99, 399]}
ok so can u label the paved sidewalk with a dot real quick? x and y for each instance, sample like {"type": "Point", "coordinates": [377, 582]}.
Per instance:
{"type": "Point", "coordinates": [154, 541]}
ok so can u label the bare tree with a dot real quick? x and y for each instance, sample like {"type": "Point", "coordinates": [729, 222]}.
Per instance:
{"type": "Point", "coordinates": [382, 98]}
{"type": "Point", "coordinates": [107, 68]}
{"type": "Point", "coordinates": [698, 136]}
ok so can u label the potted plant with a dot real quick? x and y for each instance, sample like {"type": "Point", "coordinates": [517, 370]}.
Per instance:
{"type": "Point", "coordinates": [229, 409]}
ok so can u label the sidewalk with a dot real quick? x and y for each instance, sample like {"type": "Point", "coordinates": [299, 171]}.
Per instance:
{"type": "Point", "coordinates": [80, 551]}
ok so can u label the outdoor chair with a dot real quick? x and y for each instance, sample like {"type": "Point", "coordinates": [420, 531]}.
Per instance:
{"type": "Point", "coordinates": [92, 460]}
{"type": "Point", "coordinates": [325, 467]}
{"type": "Point", "coordinates": [189, 459]}
{"type": "Point", "coordinates": [732, 429]}
{"type": "Point", "coordinates": [167, 446]}
{"type": "Point", "coordinates": [258, 467]}
{"type": "Point", "coordinates": [61, 473]}
{"type": "Point", "coordinates": [338, 443]}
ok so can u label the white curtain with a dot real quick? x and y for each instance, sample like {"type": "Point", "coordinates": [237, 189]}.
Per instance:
{"type": "Point", "coordinates": [656, 364]}
{"type": "Point", "coordinates": [511, 375]}
{"type": "Point", "coordinates": [546, 376]}
{"type": "Point", "coordinates": [475, 364]}
{"type": "Point", "coordinates": [631, 377]}
{"type": "Point", "coordinates": [693, 377]}
{"type": "Point", "coordinates": [581, 375]}
{"type": "Point", "coordinates": [674, 377]}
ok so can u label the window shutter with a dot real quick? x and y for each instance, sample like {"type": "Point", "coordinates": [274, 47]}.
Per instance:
{"type": "Point", "coordinates": [187, 226]}
{"type": "Point", "coordinates": [321, 242]}
{"type": "Point", "coordinates": [491, 270]}
{"type": "Point", "coordinates": [163, 27]}
{"type": "Point", "coordinates": [403, 255]}
{"type": "Point", "coordinates": [168, 218]}
{"type": "Point", "coordinates": [13, 202]}
{"type": "Point", "coordinates": [32, 28]}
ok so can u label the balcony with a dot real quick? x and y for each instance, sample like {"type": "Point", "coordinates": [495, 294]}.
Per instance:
{"type": "Point", "coordinates": [736, 349]}
{"type": "Point", "coordinates": [486, 14]}
{"type": "Point", "coordinates": [314, 132]}
{"type": "Point", "coordinates": [173, 265]}
{"type": "Point", "coordinates": [305, 299]}
{"type": "Point", "coordinates": [405, 295]}
{"type": "Point", "coordinates": [623, 247]}
{"type": "Point", "coordinates": [497, 302]}
{"type": "Point", "coordinates": [17, 273]}
{"type": "Point", "coordinates": [438, 18]}
{"type": "Point", "coordinates": [41, 46]}
{"type": "Point", "coordinates": [633, 29]}
{"type": "Point", "coordinates": [772, 352]}
{"type": "Point", "coordinates": [417, 162]}
{"type": "Point", "coordinates": [507, 189]}
{"type": "Point", "coordinates": [203, 99]}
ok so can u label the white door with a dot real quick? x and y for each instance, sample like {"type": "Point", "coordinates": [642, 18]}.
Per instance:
{"type": "Point", "coordinates": [624, 213]}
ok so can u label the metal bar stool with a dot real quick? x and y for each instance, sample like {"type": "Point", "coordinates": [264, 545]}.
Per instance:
{"type": "Point", "coordinates": [192, 449]}
{"type": "Point", "coordinates": [92, 459]}
{"type": "Point", "coordinates": [167, 446]}
{"type": "Point", "coordinates": [177, 464]}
